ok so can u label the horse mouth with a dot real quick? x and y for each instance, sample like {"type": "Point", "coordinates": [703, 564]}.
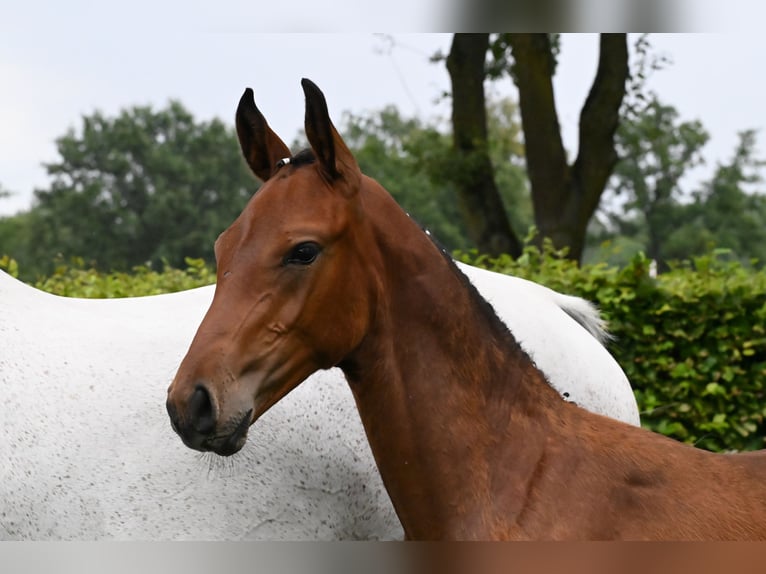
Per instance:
{"type": "Point", "coordinates": [227, 445]}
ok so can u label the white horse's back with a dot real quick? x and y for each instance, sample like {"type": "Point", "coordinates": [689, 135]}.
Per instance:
{"type": "Point", "coordinates": [553, 329]}
{"type": "Point", "coordinates": [87, 451]}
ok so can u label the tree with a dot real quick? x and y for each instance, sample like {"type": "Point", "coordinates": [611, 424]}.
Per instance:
{"type": "Point", "coordinates": [656, 151]}
{"type": "Point", "coordinates": [725, 214]}
{"type": "Point", "coordinates": [479, 199]}
{"type": "Point", "coordinates": [647, 207]}
{"type": "Point", "coordinates": [414, 161]}
{"type": "Point", "coordinates": [16, 240]}
{"type": "Point", "coordinates": [403, 155]}
{"type": "Point", "coordinates": [564, 195]}
{"type": "Point", "coordinates": [146, 186]}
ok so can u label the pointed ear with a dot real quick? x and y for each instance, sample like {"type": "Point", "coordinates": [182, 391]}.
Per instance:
{"type": "Point", "coordinates": [261, 147]}
{"type": "Point", "coordinates": [330, 149]}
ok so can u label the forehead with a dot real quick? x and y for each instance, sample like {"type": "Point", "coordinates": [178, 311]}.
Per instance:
{"type": "Point", "coordinates": [296, 201]}
{"type": "Point", "coordinates": [294, 191]}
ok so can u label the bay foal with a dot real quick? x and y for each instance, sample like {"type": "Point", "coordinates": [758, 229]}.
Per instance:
{"type": "Point", "coordinates": [323, 268]}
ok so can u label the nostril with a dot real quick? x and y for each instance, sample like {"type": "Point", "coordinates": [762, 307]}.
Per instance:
{"type": "Point", "coordinates": [201, 411]}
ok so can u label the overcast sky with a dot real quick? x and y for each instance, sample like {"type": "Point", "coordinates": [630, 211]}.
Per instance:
{"type": "Point", "coordinates": [78, 58]}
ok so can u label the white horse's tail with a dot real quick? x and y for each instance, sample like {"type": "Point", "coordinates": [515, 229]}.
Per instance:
{"type": "Point", "coordinates": [585, 313]}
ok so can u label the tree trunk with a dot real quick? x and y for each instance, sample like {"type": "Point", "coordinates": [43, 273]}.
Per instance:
{"type": "Point", "coordinates": [565, 196]}
{"type": "Point", "coordinates": [478, 196]}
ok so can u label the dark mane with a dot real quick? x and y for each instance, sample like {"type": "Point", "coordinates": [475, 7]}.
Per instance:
{"type": "Point", "coordinates": [303, 157]}
{"type": "Point", "coordinates": [484, 306]}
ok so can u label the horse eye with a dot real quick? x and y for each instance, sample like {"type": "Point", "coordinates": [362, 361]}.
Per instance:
{"type": "Point", "coordinates": [303, 254]}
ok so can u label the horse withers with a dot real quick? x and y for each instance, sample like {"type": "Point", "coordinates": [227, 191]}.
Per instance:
{"type": "Point", "coordinates": [323, 268]}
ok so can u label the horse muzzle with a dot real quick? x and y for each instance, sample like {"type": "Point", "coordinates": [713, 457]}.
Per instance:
{"type": "Point", "coordinates": [197, 424]}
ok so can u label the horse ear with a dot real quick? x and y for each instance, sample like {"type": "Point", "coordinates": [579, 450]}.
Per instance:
{"type": "Point", "coordinates": [331, 151]}
{"type": "Point", "coordinates": [261, 147]}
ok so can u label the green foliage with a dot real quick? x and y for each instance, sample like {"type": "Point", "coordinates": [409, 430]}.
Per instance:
{"type": "Point", "coordinates": [151, 186]}
{"type": "Point", "coordinates": [140, 188]}
{"type": "Point", "coordinates": [726, 212]}
{"type": "Point", "coordinates": [9, 265]}
{"type": "Point", "coordinates": [414, 161]}
{"type": "Point", "coordinates": [16, 237]}
{"type": "Point", "coordinates": [647, 208]}
{"type": "Point", "coordinates": [656, 151]}
{"type": "Point", "coordinates": [692, 341]}
{"type": "Point", "coordinates": [77, 280]}
{"type": "Point", "coordinates": [403, 155]}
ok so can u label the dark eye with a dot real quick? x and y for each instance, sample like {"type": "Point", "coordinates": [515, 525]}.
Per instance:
{"type": "Point", "coordinates": [303, 254]}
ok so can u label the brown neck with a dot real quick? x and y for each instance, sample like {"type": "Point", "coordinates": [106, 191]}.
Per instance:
{"type": "Point", "coordinates": [442, 388]}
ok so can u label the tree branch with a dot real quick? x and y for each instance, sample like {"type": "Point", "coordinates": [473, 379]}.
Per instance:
{"type": "Point", "coordinates": [599, 119]}
{"type": "Point", "coordinates": [546, 158]}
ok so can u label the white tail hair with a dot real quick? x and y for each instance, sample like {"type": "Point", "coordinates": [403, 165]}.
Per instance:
{"type": "Point", "coordinates": [585, 313]}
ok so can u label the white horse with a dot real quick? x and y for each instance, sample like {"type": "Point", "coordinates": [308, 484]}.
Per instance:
{"type": "Point", "coordinates": [87, 452]}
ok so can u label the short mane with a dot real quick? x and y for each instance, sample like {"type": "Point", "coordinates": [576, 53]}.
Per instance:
{"type": "Point", "coordinates": [497, 325]}
{"type": "Point", "coordinates": [303, 157]}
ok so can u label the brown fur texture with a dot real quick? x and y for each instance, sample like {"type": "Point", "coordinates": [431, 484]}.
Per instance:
{"type": "Point", "coordinates": [471, 441]}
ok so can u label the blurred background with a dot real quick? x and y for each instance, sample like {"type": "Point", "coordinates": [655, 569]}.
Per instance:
{"type": "Point", "coordinates": [118, 146]}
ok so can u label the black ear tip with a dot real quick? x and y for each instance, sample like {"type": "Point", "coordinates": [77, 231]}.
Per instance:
{"type": "Point", "coordinates": [247, 97]}
{"type": "Point", "coordinates": [310, 87]}
{"type": "Point", "coordinates": [247, 110]}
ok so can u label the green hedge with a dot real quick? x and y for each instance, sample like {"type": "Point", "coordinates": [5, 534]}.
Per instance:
{"type": "Point", "coordinates": [76, 280]}
{"type": "Point", "coordinates": [692, 341]}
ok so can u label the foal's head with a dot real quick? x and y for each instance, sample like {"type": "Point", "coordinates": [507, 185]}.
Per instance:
{"type": "Point", "coordinates": [295, 283]}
